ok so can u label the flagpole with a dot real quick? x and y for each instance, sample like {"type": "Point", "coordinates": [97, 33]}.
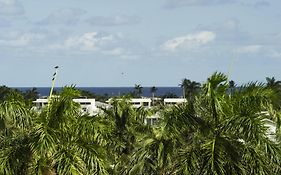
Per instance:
{"type": "Point", "coordinates": [52, 88]}
{"type": "Point", "coordinates": [53, 81]}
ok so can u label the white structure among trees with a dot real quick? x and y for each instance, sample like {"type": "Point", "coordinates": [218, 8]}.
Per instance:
{"type": "Point", "coordinates": [88, 105]}
{"type": "Point", "coordinates": [174, 101]}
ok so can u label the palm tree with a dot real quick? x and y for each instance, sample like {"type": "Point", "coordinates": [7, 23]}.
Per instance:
{"type": "Point", "coordinates": [276, 86]}
{"type": "Point", "coordinates": [184, 85]}
{"type": "Point", "coordinates": [153, 90]}
{"type": "Point", "coordinates": [126, 125]}
{"type": "Point", "coordinates": [138, 90]}
{"type": "Point", "coordinates": [272, 83]}
{"type": "Point", "coordinates": [216, 134]}
{"type": "Point", "coordinates": [235, 127]}
{"type": "Point", "coordinates": [159, 149]}
{"type": "Point", "coordinates": [56, 141]}
{"type": "Point", "coordinates": [190, 88]}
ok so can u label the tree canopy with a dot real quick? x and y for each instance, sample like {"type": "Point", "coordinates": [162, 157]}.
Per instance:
{"type": "Point", "coordinates": [215, 133]}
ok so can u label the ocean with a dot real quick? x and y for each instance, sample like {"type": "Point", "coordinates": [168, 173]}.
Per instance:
{"type": "Point", "coordinates": [110, 91]}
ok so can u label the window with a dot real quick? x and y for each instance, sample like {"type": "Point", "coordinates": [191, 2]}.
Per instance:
{"type": "Point", "coordinates": [84, 109]}
{"type": "Point", "coordinates": [85, 103]}
{"type": "Point", "coordinates": [145, 103]}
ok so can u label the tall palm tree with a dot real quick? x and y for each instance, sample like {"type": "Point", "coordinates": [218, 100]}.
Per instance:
{"type": "Point", "coordinates": [184, 85]}
{"type": "Point", "coordinates": [235, 125]}
{"type": "Point", "coordinates": [153, 90]}
{"type": "Point", "coordinates": [138, 90]}
{"type": "Point", "coordinates": [190, 88]}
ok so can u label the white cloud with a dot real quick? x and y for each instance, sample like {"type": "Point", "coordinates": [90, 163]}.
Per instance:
{"type": "Point", "coordinates": [91, 41]}
{"type": "Point", "coordinates": [66, 16]}
{"type": "Point", "coordinates": [16, 39]}
{"type": "Point", "coordinates": [189, 41]}
{"type": "Point", "coordinates": [11, 7]}
{"type": "Point", "coordinates": [113, 20]}
{"type": "Point", "coordinates": [46, 41]}
{"type": "Point", "coordinates": [249, 49]}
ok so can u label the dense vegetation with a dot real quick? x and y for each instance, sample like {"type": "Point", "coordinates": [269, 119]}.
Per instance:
{"type": "Point", "coordinates": [220, 130]}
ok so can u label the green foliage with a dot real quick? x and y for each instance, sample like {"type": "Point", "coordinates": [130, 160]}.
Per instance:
{"type": "Point", "coordinates": [190, 88]}
{"type": "Point", "coordinates": [215, 132]}
{"type": "Point", "coordinates": [3, 92]}
{"type": "Point", "coordinates": [50, 141]}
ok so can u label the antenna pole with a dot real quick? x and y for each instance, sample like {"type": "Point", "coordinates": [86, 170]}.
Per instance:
{"type": "Point", "coordinates": [53, 81]}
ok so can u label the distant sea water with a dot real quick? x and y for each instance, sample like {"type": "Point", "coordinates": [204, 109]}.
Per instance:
{"type": "Point", "coordinates": [110, 91]}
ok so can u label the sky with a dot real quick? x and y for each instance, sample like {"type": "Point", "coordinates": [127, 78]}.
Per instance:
{"type": "Point", "coordinates": [126, 42]}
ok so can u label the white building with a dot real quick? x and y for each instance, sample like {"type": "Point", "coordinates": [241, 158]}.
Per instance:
{"type": "Point", "coordinates": [136, 102]}
{"type": "Point", "coordinates": [152, 120]}
{"type": "Point", "coordinates": [271, 129]}
{"type": "Point", "coordinates": [87, 104]}
{"type": "Point", "coordinates": [174, 101]}
{"type": "Point", "coordinates": [102, 105]}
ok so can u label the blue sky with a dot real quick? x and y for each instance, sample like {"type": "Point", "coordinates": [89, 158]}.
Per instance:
{"type": "Point", "coordinates": [125, 42]}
